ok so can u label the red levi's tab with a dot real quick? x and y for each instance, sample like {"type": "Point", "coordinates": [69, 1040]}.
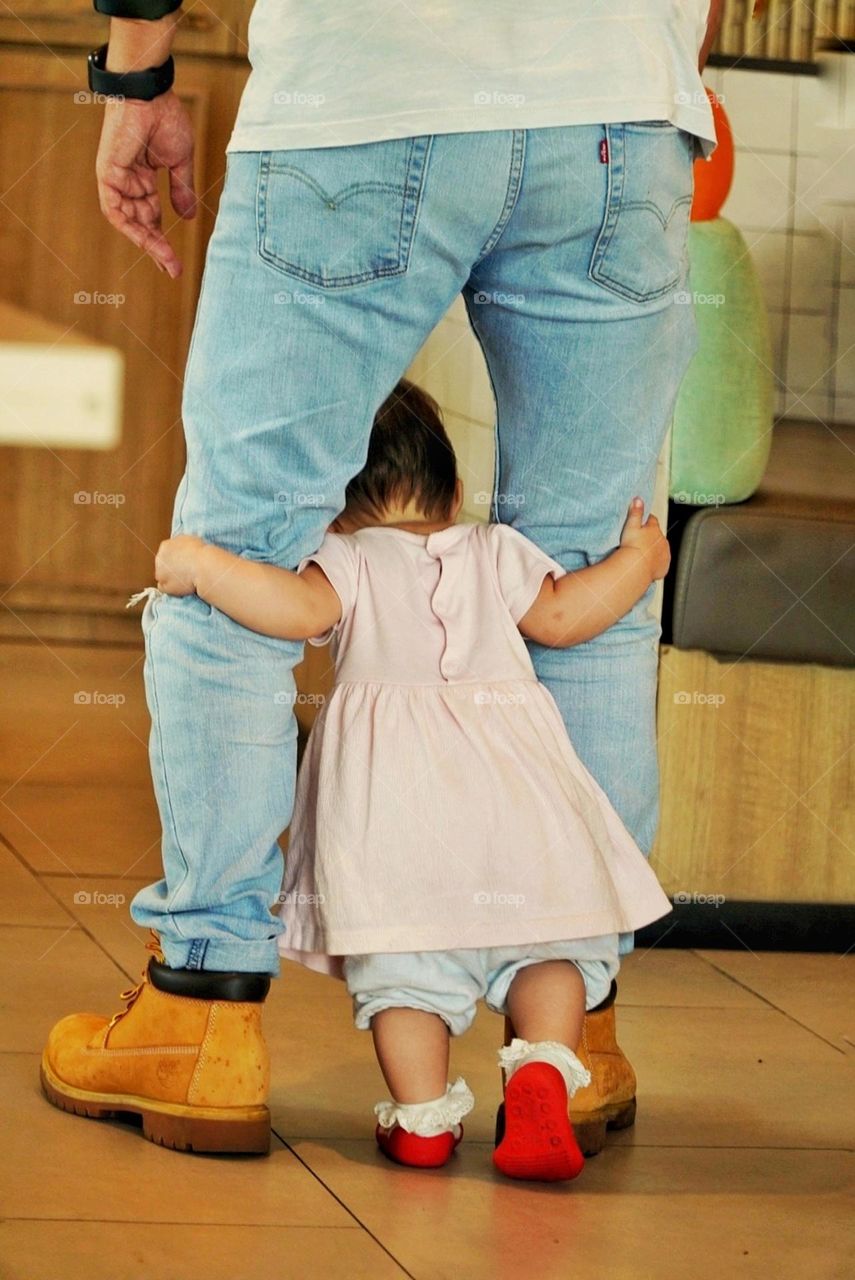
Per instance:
{"type": "Point", "coordinates": [604, 151]}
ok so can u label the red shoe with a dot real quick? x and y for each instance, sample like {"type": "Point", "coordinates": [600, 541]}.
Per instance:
{"type": "Point", "coordinates": [416, 1152]}
{"type": "Point", "coordinates": [538, 1142]}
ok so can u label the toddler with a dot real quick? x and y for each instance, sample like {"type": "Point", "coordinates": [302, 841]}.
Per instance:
{"type": "Point", "coordinates": [447, 843]}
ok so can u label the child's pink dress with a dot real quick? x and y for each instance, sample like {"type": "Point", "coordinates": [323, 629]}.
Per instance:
{"type": "Point", "coordinates": [440, 803]}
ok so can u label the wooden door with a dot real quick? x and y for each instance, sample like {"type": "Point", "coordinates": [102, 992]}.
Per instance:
{"type": "Point", "coordinates": [67, 569]}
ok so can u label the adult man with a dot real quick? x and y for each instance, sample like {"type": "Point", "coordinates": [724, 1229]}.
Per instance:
{"type": "Point", "coordinates": [386, 158]}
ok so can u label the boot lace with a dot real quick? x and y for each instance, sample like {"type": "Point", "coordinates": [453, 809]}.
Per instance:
{"type": "Point", "coordinates": [132, 993]}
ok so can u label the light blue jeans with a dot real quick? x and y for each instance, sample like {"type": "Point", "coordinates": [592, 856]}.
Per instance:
{"type": "Point", "coordinates": [326, 271]}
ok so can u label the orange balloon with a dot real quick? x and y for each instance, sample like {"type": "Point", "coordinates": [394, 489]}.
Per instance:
{"type": "Point", "coordinates": [714, 176]}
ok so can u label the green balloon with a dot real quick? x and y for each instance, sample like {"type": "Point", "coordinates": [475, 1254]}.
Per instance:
{"type": "Point", "coordinates": [723, 418]}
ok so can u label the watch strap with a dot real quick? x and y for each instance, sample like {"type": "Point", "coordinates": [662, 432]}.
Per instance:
{"type": "Point", "coordinates": [149, 10]}
{"type": "Point", "coordinates": [146, 85]}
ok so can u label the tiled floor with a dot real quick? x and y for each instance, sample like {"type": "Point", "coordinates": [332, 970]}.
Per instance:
{"type": "Point", "coordinates": [739, 1164]}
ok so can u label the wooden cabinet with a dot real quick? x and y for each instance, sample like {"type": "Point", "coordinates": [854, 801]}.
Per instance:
{"type": "Point", "coordinates": [202, 29]}
{"type": "Point", "coordinates": [757, 788]}
{"type": "Point", "coordinates": [67, 568]}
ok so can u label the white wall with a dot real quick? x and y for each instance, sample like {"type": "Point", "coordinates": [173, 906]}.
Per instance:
{"type": "Point", "coordinates": [451, 367]}
{"type": "Point", "coordinates": [793, 198]}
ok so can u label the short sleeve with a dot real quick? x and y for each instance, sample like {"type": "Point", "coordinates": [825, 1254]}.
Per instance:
{"type": "Point", "coordinates": [520, 568]}
{"type": "Point", "coordinates": [338, 556]}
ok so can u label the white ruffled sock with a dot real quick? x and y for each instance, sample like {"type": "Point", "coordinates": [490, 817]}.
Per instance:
{"type": "Point", "coordinates": [428, 1119]}
{"type": "Point", "coordinates": [520, 1052]}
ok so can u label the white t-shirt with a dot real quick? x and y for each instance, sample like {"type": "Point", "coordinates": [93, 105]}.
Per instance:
{"type": "Point", "coordinates": [348, 71]}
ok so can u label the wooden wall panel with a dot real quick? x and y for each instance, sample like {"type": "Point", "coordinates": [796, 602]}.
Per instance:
{"type": "Point", "coordinates": [57, 556]}
{"type": "Point", "coordinates": [202, 28]}
{"type": "Point", "coordinates": [757, 779]}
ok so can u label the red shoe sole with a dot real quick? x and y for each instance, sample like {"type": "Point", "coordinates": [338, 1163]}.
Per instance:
{"type": "Point", "coordinates": [538, 1143]}
{"type": "Point", "coordinates": [415, 1152]}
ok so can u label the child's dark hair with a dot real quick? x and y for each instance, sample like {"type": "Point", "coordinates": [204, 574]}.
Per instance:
{"type": "Point", "coordinates": [410, 457]}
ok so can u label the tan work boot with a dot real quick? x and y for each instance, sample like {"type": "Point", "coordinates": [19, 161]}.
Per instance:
{"type": "Point", "coordinates": [187, 1055]}
{"type": "Point", "coordinates": [608, 1102]}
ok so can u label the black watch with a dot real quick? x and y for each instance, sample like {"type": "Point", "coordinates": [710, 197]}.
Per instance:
{"type": "Point", "coordinates": [146, 85]}
{"type": "Point", "coordinates": [149, 10]}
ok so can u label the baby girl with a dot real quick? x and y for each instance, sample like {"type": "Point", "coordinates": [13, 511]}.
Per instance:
{"type": "Point", "coordinates": [447, 843]}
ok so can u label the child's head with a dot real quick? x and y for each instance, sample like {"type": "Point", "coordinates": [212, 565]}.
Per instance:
{"type": "Point", "coordinates": [410, 463]}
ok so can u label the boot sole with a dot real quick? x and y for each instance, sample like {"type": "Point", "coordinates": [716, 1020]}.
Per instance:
{"type": "Point", "coordinates": [243, 1131]}
{"type": "Point", "coordinates": [589, 1127]}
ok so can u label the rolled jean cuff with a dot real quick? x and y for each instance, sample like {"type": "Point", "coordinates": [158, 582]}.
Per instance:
{"type": "Point", "coordinates": [222, 957]}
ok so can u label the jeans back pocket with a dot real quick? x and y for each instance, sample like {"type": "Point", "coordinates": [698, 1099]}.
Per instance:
{"type": "Point", "coordinates": [340, 216]}
{"type": "Point", "coordinates": [641, 250]}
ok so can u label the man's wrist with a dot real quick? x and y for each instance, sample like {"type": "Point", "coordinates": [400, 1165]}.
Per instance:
{"type": "Point", "coordinates": [135, 45]}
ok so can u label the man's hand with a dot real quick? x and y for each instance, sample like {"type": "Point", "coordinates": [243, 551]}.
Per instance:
{"type": "Point", "coordinates": [138, 139]}
{"type": "Point", "coordinates": [176, 564]}
{"type": "Point", "coordinates": [647, 538]}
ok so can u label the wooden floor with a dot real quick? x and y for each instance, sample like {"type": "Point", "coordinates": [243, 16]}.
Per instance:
{"type": "Point", "coordinates": [737, 1165]}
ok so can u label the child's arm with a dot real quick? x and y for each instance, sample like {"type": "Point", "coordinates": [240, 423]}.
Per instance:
{"type": "Point", "coordinates": [275, 602]}
{"type": "Point", "coordinates": [588, 601]}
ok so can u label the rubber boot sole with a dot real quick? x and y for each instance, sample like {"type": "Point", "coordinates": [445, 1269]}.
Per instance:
{"type": "Point", "coordinates": [590, 1130]}
{"type": "Point", "coordinates": [236, 1130]}
{"type": "Point", "coordinates": [538, 1143]}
